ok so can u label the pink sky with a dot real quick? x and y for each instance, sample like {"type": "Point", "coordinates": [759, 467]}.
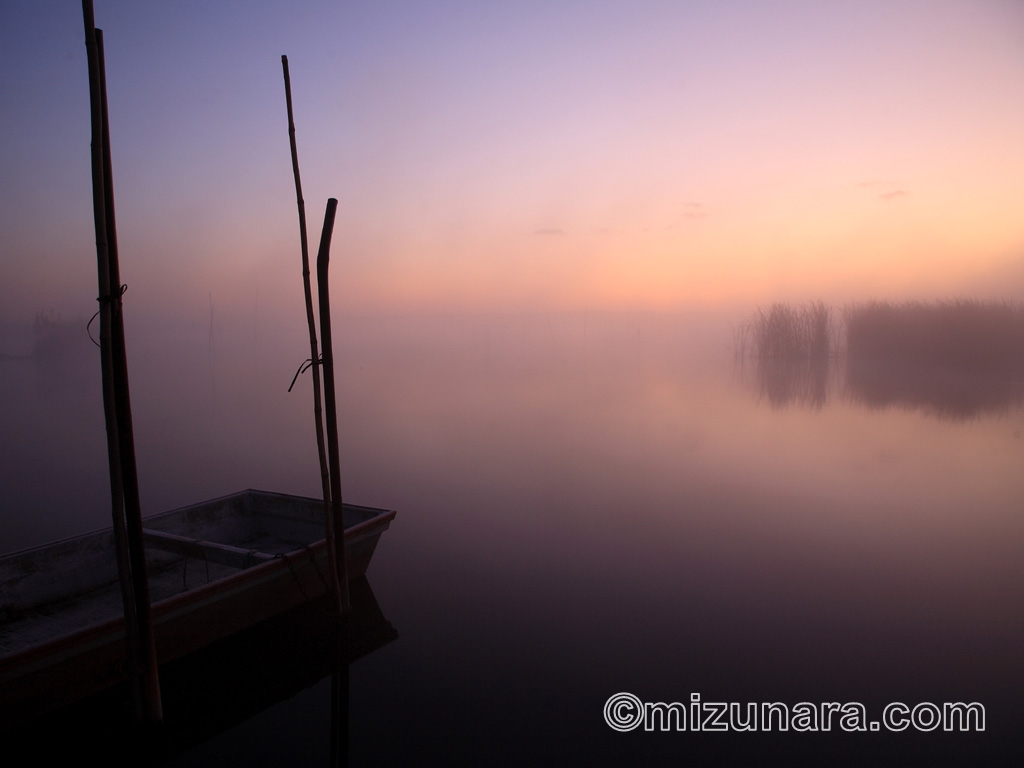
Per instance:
{"type": "Point", "coordinates": [523, 155]}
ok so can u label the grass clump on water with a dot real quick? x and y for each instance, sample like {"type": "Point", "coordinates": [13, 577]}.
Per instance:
{"type": "Point", "coordinates": [788, 333]}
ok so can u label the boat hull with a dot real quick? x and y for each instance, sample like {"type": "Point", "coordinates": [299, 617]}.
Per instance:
{"type": "Point", "coordinates": [87, 659]}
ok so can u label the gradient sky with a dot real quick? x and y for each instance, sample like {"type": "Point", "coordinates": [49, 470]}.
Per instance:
{"type": "Point", "coordinates": [521, 155]}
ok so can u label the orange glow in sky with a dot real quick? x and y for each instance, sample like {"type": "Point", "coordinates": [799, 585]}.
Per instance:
{"type": "Point", "coordinates": [637, 155]}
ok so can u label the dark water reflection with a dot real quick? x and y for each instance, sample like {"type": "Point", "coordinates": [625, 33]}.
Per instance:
{"type": "Point", "coordinates": [782, 383]}
{"type": "Point", "coordinates": [589, 504]}
{"type": "Point", "coordinates": [234, 685]}
{"type": "Point", "coordinates": [942, 392]}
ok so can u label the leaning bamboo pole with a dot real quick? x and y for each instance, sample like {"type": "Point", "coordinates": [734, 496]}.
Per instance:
{"type": "Point", "coordinates": [124, 569]}
{"type": "Point", "coordinates": [336, 542]}
{"type": "Point", "coordinates": [125, 504]}
{"type": "Point", "coordinates": [314, 354]}
{"type": "Point", "coordinates": [126, 434]}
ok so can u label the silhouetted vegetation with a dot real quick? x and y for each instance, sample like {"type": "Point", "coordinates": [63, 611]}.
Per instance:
{"type": "Point", "coordinates": [959, 334]}
{"type": "Point", "coordinates": [785, 332]}
{"type": "Point", "coordinates": [791, 347]}
{"type": "Point", "coordinates": [956, 359]}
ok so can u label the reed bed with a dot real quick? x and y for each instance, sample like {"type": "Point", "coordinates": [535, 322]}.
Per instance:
{"type": "Point", "coordinates": [788, 333]}
{"type": "Point", "coordinates": [957, 334]}
{"type": "Point", "coordinates": [956, 358]}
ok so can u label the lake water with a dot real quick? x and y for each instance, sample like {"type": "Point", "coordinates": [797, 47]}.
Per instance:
{"type": "Point", "coordinates": [588, 504]}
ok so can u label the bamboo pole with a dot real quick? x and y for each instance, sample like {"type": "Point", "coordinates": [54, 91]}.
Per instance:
{"type": "Point", "coordinates": [124, 476]}
{"type": "Point", "coordinates": [314, 355]}
{"type": "Point", "coordinates": [107, 369]}
{"type": "Point", "coordinates": [336, 542]}
{"type": "Point", "coordinates": [126, 434]}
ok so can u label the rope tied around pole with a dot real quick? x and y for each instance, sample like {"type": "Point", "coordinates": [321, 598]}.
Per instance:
{"type": "Point", "coordinates": [306, 365]}
{"type": "Point", "coordinates": [108, 299]}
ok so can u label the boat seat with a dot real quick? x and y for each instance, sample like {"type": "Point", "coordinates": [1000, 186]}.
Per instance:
{"type": "Point", "coordinates": [225, 554]}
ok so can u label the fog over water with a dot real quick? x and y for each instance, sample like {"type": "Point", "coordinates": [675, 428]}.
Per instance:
{"type": "Point", "coordinates": [550, 226]}
{"type": "Point", "coordinates": [588, 503]}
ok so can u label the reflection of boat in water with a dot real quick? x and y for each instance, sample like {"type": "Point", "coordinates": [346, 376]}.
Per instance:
{"type": "Point", "coordinates": [234, 680]}
{"type": "Point", "coordinates": [227, 683]}
{"type": "Point", "coordinates": [215, 568]}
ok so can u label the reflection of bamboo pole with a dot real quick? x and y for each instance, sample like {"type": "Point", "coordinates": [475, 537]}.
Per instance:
{"type": "Point", "coordinates": [314, 355]}
{"type": "Point", "coordinates": [339, 714]}
{"type": "Point", "coordinates": [337, 541]}
{"type": "Point", "coordinates": [126, 508]}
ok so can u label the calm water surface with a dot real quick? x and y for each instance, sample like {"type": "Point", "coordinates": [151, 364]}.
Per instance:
{"type": "Point", "coordinates": [588, 504]}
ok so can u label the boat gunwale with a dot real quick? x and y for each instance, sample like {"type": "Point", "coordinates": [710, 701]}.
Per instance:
{"type": "Point", "coordinates": [190, 507]}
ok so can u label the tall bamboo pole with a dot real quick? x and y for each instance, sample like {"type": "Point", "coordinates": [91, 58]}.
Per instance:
{"type": "Point", "coordinates": [314, 355]}
{"type": "Point", "coordinates": [107, 368]}
{"type": "Point", "coordinates": [337, 542]}
{"type": "Point", "coordinates": [124, 476]}
{"type": "Point", "coordinates": [126, 434]}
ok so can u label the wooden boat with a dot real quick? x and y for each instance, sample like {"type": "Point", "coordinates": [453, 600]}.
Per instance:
{"type": "Point", "coordinates": [214, 568]}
